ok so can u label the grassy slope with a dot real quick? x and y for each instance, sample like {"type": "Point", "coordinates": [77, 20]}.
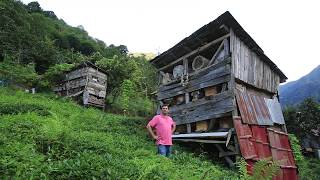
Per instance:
{"type": "Point", "coordinates": [54, 138]}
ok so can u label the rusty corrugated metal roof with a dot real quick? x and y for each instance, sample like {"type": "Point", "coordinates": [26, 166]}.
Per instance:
{"type": "Point", "coordinates": [275, 111]}
{"type": "Point", "coordinates": [253, 108]}
{"type": "Point", "coordinates": [245, 107]}
{"type": "Point", "coordinates": [261, 110]}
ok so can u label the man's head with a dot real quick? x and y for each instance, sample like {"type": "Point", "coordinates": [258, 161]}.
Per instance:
{"type": "Point", "coordinates": [165, 109]}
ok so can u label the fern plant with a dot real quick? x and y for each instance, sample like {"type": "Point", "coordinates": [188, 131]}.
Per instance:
{"type": "Point", "coordinates": [264, 169]}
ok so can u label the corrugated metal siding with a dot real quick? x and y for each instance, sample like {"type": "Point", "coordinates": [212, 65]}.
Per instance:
{"type": "Point", "coordinates": [244, 134]}
{"type": "Point", "coordinates": [261, 144]}
{"type": "Point", "coordinates": [275, 111]}
{"type": "Point", "coordinates": [287, 174]}
{"type": "Point", "coordinates": [280, 148]}
{"type": "Point", "coordinates": [253, 108]}
{"type": "Point", "coordinates": [282, 153]}
{"type": "Point", "coordinates": [258, 142]}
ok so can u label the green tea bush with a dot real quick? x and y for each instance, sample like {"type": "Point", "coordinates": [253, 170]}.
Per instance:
{"type": "Point", "coordinates": [84, 143]}
{"type": "Point", "coordinates": [8, 108]}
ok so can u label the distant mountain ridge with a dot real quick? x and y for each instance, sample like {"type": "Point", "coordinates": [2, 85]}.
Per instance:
{"type": "Point", "coordinates": [295, 92]}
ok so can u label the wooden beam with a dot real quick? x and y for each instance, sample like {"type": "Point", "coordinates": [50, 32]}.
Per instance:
{"type": "Point", "coordinates": [229, 137]}
{"type": "Point", "coordinates": [228, 160]}
{"type": "Point", "coordinates": [187, 48]}
{"type": "Point", "coordinates": [173, 55]}
{"type": "Point", "coordinates": [201, 141]}
{"type": "Point", "coordinates": [223, 154]}
{"type": "Point", "coordinates": [232, 148]}
{"type": "Point", "coordinates": [197, 135]}
{"type": "Point", "coordinates": [196, 51]}
{"type": "Point", "coordinates": [225, 28]}
{"type": "Point", "coordinates": [216, 53]}
{"type": "Point", "coordinates": [198, 39]}
{"type": "Point", "coordinates": [232, 82]}
{"type": "Point", "coordinates": [226, 47]}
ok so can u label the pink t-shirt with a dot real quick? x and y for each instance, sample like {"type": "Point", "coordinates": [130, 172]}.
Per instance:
{"type": "Point", "coordinates": [163, 125]}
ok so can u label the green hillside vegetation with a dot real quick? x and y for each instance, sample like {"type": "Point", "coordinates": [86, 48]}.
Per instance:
{"type": "Point", "coordinates": [46, 137]}
{"type": "Point", "coordinates": [36, 48]}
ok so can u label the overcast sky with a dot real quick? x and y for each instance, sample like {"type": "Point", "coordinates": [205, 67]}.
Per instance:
{"type": "Point", "coordinates": [287, 30]}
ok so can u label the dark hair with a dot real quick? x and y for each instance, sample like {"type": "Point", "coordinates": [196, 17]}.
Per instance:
{"type": "Point", "coordinates": [164, 105]}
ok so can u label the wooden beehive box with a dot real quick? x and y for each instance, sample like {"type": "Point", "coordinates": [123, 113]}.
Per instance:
{"type": "Point", "coordinates": [85, 83]}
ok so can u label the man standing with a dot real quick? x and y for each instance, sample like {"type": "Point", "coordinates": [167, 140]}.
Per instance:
{"type": "Point", "coordinates": [164, 126]}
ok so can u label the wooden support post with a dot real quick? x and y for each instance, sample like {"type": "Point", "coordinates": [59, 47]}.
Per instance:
{"type": "Point", "coordinates": [211, 124]}
{"type": "Point", "coordinates": [284, 128]}
{"type": "Point", "coordinates": [185, 77]}
{"type": "Point", "coordinates": [228, 159]}
{"type": "Point", "coordinates": [185, 65]}
{"type": "Point", "coordinates": [224, 87]}
{"type": "Point", "coordinates": [226, 47]}
{"type": "Point", "coordinates": [188, 128]}
{"type": "Point", "coordinates": [229, 137]}
{"type": "Point", "coordinates": [236, 144]}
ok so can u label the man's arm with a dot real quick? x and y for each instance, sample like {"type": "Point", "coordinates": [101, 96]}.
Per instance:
{"type": "Point", "coordinates": [151, 132]}
{"type": "Point", "coordinates": [173, 128]}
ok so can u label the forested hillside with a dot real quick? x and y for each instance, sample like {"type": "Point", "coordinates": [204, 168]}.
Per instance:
{"type": "Point", "coordinates": [36, 48]}
{"type": "Point", "coordinates": [295, 92]}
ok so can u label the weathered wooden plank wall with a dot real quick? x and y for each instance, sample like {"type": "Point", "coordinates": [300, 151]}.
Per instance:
{"type": "Point", "coordinates": [249, 67]}
{"type": "Point", "coordinates": [203, 109]}
{"type": "Point", "coordinates": [216, 74]}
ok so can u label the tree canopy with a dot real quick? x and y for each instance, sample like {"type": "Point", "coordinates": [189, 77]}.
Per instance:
{"type": "Point", "coordinates": [304, 118]}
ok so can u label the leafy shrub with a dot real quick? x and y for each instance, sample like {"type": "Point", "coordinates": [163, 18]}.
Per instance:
{"type": "Point", "coordinates": [308, 168]}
